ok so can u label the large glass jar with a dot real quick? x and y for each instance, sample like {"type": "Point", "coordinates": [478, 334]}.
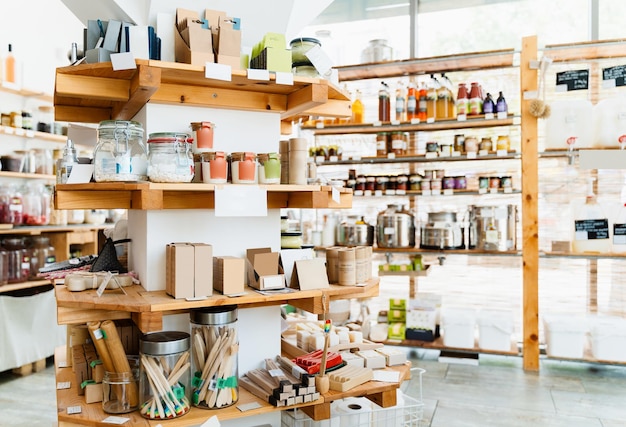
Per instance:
{"type": "Point", "coordinates": [36, 205]}
{"type": "Point", "coordinates": [170, 158]}
{"type": "Point", "coordinates": [120, 154]}
{"type": "Point", "coordinates": [42, 254]}
{"type": "Point", "coordinates": [11, 208]}
{"type": "Point", "coordinates": [18, 259]}
{"type": "Point", "coordinates": [215, 379]}
{"type": "Point", "coordinates": [164, 374]}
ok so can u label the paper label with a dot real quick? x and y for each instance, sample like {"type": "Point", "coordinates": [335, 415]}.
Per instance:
{"type": "Point", "coordinates": [471, 154]}
{"type": "Point", "coordinates": [71, 410]}
{"type": "Point", "coordinates": [240, 200]}
{"type": "Point", "coordinates": [276, 373]}
{"type": "Point", "coordinates": [62, 385]}
{"type": "Point", "coordinates": [591, 229]}
{"type": "Point", "coordinates": [123, 61]}
{"type": "Point", "coordinates": [258, 74]}
{"type": "Point", "coordinates": [335, 195]}
{"type": "Point", "coordinates": [489, 116]}
{"type": "Point", "coordinates": [217, 71]}
{"type": "Point", "coordinates": [461, 117]}
{"type": "Point", "coordinates": [391, 155]}
{"type": "Point", "coordinates": [431, 155]}
{"type": "Point", "coordinates": [105, 282]}
{"type": "Point", "coordinates": [115, 420]}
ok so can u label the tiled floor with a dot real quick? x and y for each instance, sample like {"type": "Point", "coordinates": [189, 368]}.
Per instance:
{"type": "Point", "coordinates": [495, 393]}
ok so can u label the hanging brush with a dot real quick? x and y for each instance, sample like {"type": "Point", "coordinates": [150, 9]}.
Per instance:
{"type": "Point", "coordinates": [538, 107]}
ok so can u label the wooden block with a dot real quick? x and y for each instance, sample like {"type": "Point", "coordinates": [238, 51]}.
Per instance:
{"type": "Point", "coordinates": [39, 365]}
{"type": "Point", "coordinates": [23, 370]}
{"type": "Point", "coordinates": [93, 393]}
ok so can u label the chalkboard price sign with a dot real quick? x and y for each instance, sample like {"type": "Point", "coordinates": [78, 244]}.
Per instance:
{"type": "Point", "coordinates": [591, 229]}
{"type": "Point", "coordinates": [574, 79]}
{"type": "Point", "coordinates": [617, 73]}
{"type": "Point", "coordinates": [619, 234]}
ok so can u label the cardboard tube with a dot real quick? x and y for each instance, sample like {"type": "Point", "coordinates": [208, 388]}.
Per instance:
{"type": "Point", "coordinates": [101, 347]}
{"type": "Point", "coordinates": [118, 356]}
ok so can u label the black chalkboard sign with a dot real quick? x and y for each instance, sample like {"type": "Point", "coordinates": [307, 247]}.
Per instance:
{"type": "Point", "coordinates": [617, 73]}
{"type": "Point", "coordinates": [574, 79]}
{"type": "Point", "coordinates": [592, 229]}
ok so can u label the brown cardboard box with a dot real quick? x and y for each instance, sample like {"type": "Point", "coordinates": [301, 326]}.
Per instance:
{"type": "Point", "coordinates": [264, 269]}
{"type": "Point", "coordinates": [233, 61]}
{"type": "Point", "coordinates": [76, 335]}
{"type": "Point", "coordinates": [309, 274]}
{"type": "Point", "coordinates": [93, 393]}
{"type": "Point", "coordinates": [214, 17]}
{"type": "Point", "coordinates": [229, 37]}
{"type": "Point", "coordinates": [229, 275]}
{"type": "Point", "coordinates": [189, 270]}
{"type": "Point", "coordinates": [192, 43]}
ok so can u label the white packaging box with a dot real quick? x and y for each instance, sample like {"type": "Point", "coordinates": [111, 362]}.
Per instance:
{"type": "Point", "coordinates": [458, 326]}
{"type": "Point", "coordinates": [565, 335]}
{"type": "Point", "coordinates": [608, 338]}
{"type": "Point", "coordinates": [494, 329]}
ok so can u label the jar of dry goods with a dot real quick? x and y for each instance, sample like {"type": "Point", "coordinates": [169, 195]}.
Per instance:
{"type": "Point", "coordinates": [120, 154]}
{"type": "Point", "coordinates": [170, 158]}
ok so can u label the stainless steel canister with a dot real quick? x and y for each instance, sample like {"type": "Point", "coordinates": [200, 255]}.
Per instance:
{"type": "Point", "coordinates": [493, 228]}
{"type": "Point", "coordinates": [395, 227]}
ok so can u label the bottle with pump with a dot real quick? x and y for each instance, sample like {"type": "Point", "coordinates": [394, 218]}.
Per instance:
{"type": "Point", "coordinates": [9, 66]}
{"type": "Point", "coordinates": [431, 98]}
{"type": "Point", "coordinates": [411, 102]}
{"type": "Point", "coordinates": [66, 162]}
{"type": "Point", "coordinates": [357, 108]}
{"type": "Point", "coordinates": [591, 225]}
{"type": "Point", "coordinates": [384, 103]}
{"type": "Point", "coordinates": [400, 102]}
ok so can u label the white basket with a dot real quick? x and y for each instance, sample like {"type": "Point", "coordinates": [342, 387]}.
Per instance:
{"type": "Point", "coordinates": [408, 412]}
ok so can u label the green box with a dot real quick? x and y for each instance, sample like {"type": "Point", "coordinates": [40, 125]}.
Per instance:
{"type": "Point", "coordinates": [396, 331]}
{"type": "Point", "coordinates": [397, 304]}
{"type": "Point", "coordinates": [395, 316]}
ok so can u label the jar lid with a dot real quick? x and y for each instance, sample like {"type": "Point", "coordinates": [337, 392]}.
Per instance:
{"type": "Point", "coordinates": [169, 137]}
{"type": "Point", "coordinates": [164, 342]}
{"type": "Point", "coordinates": [291, 234]}
{"type": "Point", "coordinates": [113, 124]}
{"type": "Point", "coordinates": [305, 39]}
{"type": "Point", "coordinates": [214, 315]}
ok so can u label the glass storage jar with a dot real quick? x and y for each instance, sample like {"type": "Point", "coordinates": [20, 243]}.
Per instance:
{"type": "Point", "coordinates": [269, 168]}
{"type": "Point", "coordinates": [214, 167]}
{"type": "Point", "coordinates": [164, 374]}
{"type": "Point", "coordinates": [120, 154]}
{"type": "Point", "coordinates": [119, 389]}
{"type": "Point", "coordinates": [170, 158]}
{"type": "Point", "coordinates": [243, 168]}
{"type": "Point", "coordinates": [18, 260]}
{"type": "Point", "coordinates": [36, 205]}
{"type": "Point", "coordinates": [4, 266]}
{"type": "Point", "coordinates": [214, 384]}
{"type": "Point", "coordinates": [42, 254]}
{"type": "Point", "coordinates": [299, 48]}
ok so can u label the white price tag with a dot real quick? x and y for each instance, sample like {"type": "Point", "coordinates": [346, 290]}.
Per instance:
{"type": "Point", "coordinates": [448, 192]}
{"type": "Point", "coordinates": [377, 192]}
{"type": "Point", "coordinates": [115, 420]}
{"type": "Point", "coordinates": [9, 130]}
{"type": "Point", "coordinates": [493, 190]}
{"type": "Point", "coordinates": [276, 373]}
{"type": "Point", "coordinates": [283, 78]}
{"type": "Point", "coordinates": [425, 192]}
{"type": "Point", "coordinates": [430, 120]}
{"type": "Point", "coordinates": [489, 116]}
{"type": "Point", "coordinates": [435, 192]}
{"type": "Point", "coordinates": [502, 115]}
{"type": "Point", "coordinates": [461, 117]}
{"type": "Point", "coordinates": [335, 195]}
{"type": "Point", "coordinates": [19, 132]}
{"type": "Point", "coordinates": [560, 88]}
{"type": "Point", "coordinates": [415, 121]}
{"type": "Point", "coordinates": [30, 133]}
{"type": "Point", "coordinates": [471, 154]}
{"type": "Point", "coordinates": [63, 385]}
{"type": "Point", "coordinates": [123, 61]}
{"type": "Point", "coordinates": [400, 192]}
{"type": "Point", "coordinates": [483, 152]}
{"type": "Point", "coordinates": [98, 334]}
{"type": "Point", "coordinates": [391, 155]}
{"type": "Point", "coordinates": [377, 124]}
{"type": "Point", "coordinates": [395, 122]}
{"type": "Point", "coordinates": [390, 192]}
{"type": "Point", "coordinates": [320, 159]}
{"type": "Point", "coordinates": [356, 158]}
{"type": "Point", "coordinates": [319, 125]}
{"type": "Point", "coordinates": [71, 410]}
{"type": "Point", "coordinates": [240, 200]}
{"type": "Point", "coordinates": [491, 236]}
{"type": "Point", "coordinates": [105, 282]}
{"type": "Point", "coordinates": [508, 190]}
{"type": "Point", "coordinates": [256, 74]}
{"type": "Point", "coordinates": [456, 154]}
{"type": "Point", "coordinates": [501, 153]}
{"type": "Point", "coordinates": [213, 70]}
{"type": "Point", "coordinates": [608, 84]}
{"type": "Point", "coordinates": [482, 191]}
{"type": "Point", "coordinates": [431, 155]}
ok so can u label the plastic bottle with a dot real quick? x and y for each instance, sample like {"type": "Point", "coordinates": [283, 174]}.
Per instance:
{"type": "Point", "coordinates": [422, 105]}
{"type": "Point", "coordinates": [591, 225]}
{"type": "Point", "coordinates": [357, 108]}
{"type": "Point", "coordinates": [9, 66]}
{"type": "Point", "coordinates": [462, 100]}
{"type": "Point", "coordinates": [66, 162]}
{"type": "Point", "coordinates": [501, 106]}
{"type": "Point", "coordinates": [411, 102]}
{"type": "Point", "coordinates": [384, 103]}
{"type": "Point", "coordinates": [401, 104]}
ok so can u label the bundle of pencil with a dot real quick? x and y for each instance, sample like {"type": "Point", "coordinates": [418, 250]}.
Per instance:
{"type": "Point", "coordinates": [280, 388]}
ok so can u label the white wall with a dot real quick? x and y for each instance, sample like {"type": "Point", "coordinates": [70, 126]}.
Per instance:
{"type": "Point", "coordinates": [42, 32]}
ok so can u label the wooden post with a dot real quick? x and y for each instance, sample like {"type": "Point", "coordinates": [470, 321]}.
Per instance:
{"type": "Point", "coordinates": [530, 227]}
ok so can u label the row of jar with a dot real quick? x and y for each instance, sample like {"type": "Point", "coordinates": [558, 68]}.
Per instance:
{"type": "Point", "coordinates": [40, 161]}
{"type": "Point", "coordinates": [21, 258]}
{"type": "Point", "coordinates": [470, 144]}
{"type": "Point", "coordinates": [24, 119]}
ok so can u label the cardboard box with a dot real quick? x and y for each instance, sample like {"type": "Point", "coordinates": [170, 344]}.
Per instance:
{"type": "Point", "coordinates": [309, 274]}
{"type": "Point", "coordinates": [272, 59]}
{"type": "Point", "coordinates": [229, 37]}
{"type": "Point", "coordinates": [397, 304]}
{"type": "Point", "coordinates": [396, 331]}
{"type": "Point", "coordinates": [396, 316]}
{"type": "Point", "coordinates": [193, 43]}
{"type": "Point", "coordinates": [233, 61]}
{"type": "Point", "coordinates": [229, 275]}
{"type": "Point", "coordinates": [188, 270]}
{"type": "Point", "coordinates": [264, 269]}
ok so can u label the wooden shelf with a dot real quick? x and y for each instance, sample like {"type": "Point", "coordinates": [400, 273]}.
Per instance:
{"type": "Point", "coordinates": [23, 285]}
{"type": "Point", "coordinates": [437, 344]}
{"type": "Point", "coordinates": [421, 159]}
{"type": "Point", "coordinates": [369, 128]}
{"type": "Point", "coordinates": [94, 92]}
{"type": "Point", "coordinates": [35, 230]}
{"type": "Point", "coordinates": [415, 193]}
{"type": "Point", "coordinates": [16, 90]}
{"type": "Point", "coordinates": [148, 308]}
{"type": "Point", "coordinates": [412, 273]}
{"type": "Point", "coordinates": [154, 196]}
{"type": "Point", "coordinates": [23, 175]}
{"type": "Point", "coordinates": [462, 62]}
{"type": "Point", "coordinates": [470, 252]}
{"type": "Point", "coordinates": [92, 414]}
{"type": "Point", "coordinates": [587, 255]}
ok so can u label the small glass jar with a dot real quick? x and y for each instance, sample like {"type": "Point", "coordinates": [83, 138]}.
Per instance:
{"type": "Point", "coordinates": [486, 144]}
{"type": "Point", "coordinates": [170, 158]}
{"type": "Point", "coordinates": [214, 167]}
{"type": "Point", "coordinates": [27, 120]}
{"type": "Point", "coordinates": [460, 182]}
{"type": "Point", "coordinates": [269, 168]}
{"type": "Point", "coordinates": [305, 69]}
{"type": "Point", "coordinates": [291, 240]}
{"type": "Point", "coordinates": [402, 183]}
{"type": "Point", "coordinates": [432, 147]}
{"type": "Point", "coordinates": [360, 184]}
{"type": "Point", "coordinates": [18, 258]}
{"type": "Point", "coordinates": [397, 143]}
{"type": "Point", "coordinates": [445, 149]}
{"type": "Point", "coordinates": [120, 154]}
{"type": "Point", "coordinates": [506, 182]}
{"type": "Point", "coordinates": [381, 184]}
{"type": "Point", "coordinates": [494, 182]}
{"type": "Point", "coordinates": [36, 205]}
{"type": "Point", "coordinates": [436, 184]}
{"type": "Point", "coordinates": [370, 184]}
{"type": "Point", "coordinates": [483, 182]}
{"type": "Point", "coordinates": [459, 143]}
{"type": "Point", "coordinates": [415, 182]}
{"type": "Point", "coordinates": [381, 144]}
{"type": "Point", "coordinates": [503, 143]}
{"type": "Point", "coordinates": [164, 374]}
{"type": "Point", "coordinates": [299, 48]}
{"type": "Point", "coordinates": [42, 254]}
{"type": "Point", "coordinates": [202, 136]}
{"type": "Point", "coordinates": [447, 183]}
{"type": "Point", "coordinates": [215, 387]}
{"type": "Point", "coordinates": [243, 168]}
{"type": "Point", "coordinates": [119, 390]}
{"type": "Point", "coordinates": [43, 161]}
{"type": "Point", "coordinates": [471, 144]}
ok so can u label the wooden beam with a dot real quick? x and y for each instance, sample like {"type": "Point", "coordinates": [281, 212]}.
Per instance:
{"type": "Point", "coordinates": [74, 113]}
{"type": "Point", "coordinates": [89, 199]}
{"type": "Point", "coordinates": [332, 108]}
{"type": "Point", "coordinates": [151, 199]}
{"type": "Point", "coordinates": [78, 86]}
{"type": "Point", "coordinates": [385, 399]}
{"type": "Point", "coordinates": [148, 322]}
{"type": "Point", "coordinates": [142, 86]}
{"type": "Point", "coordinates": [530, 220]}
{"type": "Point", "coordinates": [306, 99]}
{"type": "Point", "coordinates": [318, 412]}
{"type": "Point", "coordinates": [219, 97]}
{"type": "Point", "coordinates": [73, 316]}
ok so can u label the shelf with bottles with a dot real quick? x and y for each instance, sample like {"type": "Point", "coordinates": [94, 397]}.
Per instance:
{"type": "Point", "coordinates": [32, 134]}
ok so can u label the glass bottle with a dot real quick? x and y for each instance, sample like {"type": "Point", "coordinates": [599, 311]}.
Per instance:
{"type": "Point", "coordinates": [16, 208]}
{"type": "Point", "coordinates": [475, 100]}
{"type": "Point", "coordinates": [42, 254]}
{"type": "Point", "coordinates": [18, 259]}
{"type": "Point", "coordinates": [462, 100]}
{"type": "Point", "coordinates": [401, 103]}
{"type": "Point", "coordinates": [411, 102]}
{"type": "Point", "coordinates": [358, 110]}
{"type": "Point", "coordinates": [445, 100]}
{"type": "Point", "coordinates": [66, 162]}
{"type": "Point", "coordinates": [489, 107]}
{"type": "Point", "coordinates": [384, 103]}
{"type": "Point", "coordinates": [422, 105]}
{"type": "Point", "coordinates": [9, 66]}
{"type": "Point", "coordinates": [431, 98]}
{"type": "Point", "coordinates": [501, 106]}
